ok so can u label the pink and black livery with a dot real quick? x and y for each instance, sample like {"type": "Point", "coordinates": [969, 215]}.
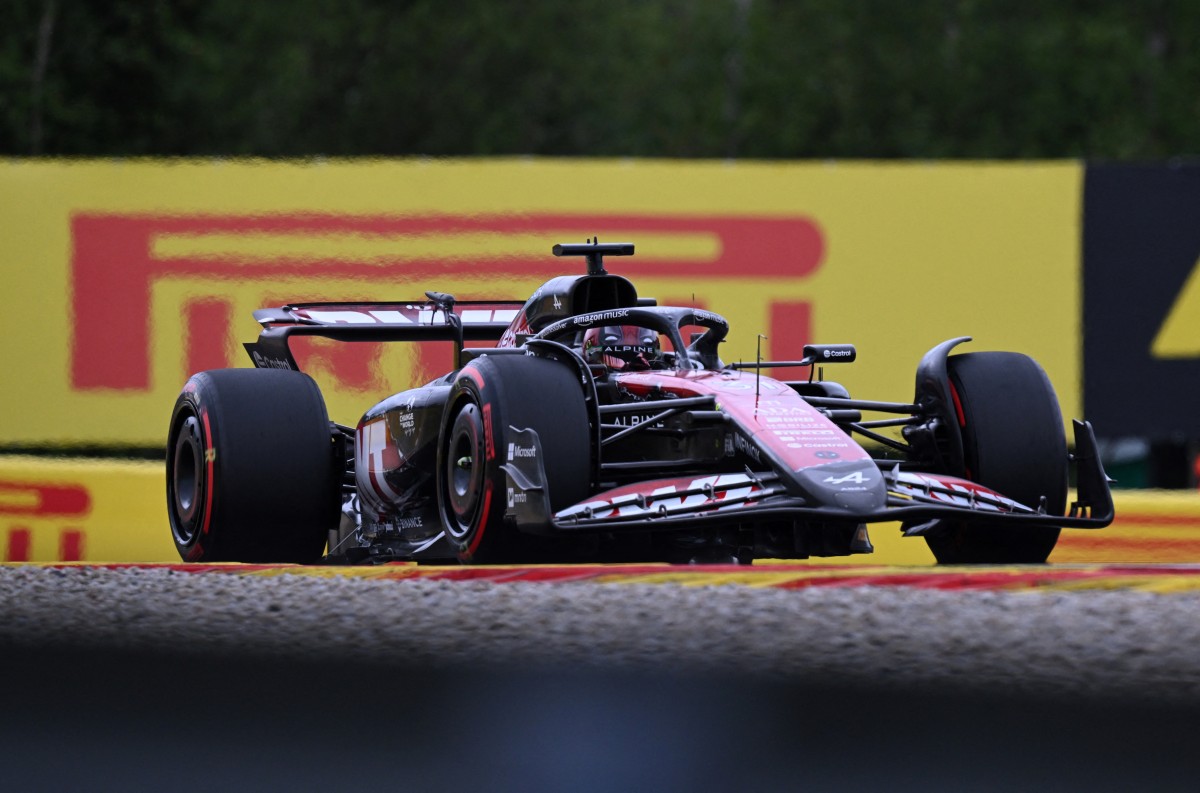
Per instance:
{"type": "Point", "coordinates": [544, 448]}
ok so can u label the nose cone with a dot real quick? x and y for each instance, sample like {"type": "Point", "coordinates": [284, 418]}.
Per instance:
{"type": "Point", "coordinates": [856, 486]}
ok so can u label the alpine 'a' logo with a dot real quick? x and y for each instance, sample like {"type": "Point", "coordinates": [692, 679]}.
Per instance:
{"type": "Point", "coordinates": [557, 302]}
{"type": "Point", "coordinates": [856, 477]}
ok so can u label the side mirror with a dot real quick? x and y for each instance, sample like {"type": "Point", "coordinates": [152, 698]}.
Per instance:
{"type": "Point", "coordinates": [828, 353]}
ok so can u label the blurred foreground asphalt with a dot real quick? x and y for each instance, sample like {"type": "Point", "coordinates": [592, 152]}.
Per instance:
{"type": "Point", "coordinates": [99, 720]}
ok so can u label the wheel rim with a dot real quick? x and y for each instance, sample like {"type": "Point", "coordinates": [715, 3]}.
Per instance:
{"type": "Point", "coordinates": [465, 471]}
{"type": "Point", "coordinates": [187, 479]}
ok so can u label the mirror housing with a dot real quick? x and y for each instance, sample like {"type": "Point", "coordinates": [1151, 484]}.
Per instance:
{"type": "Point", "coordinates": [828, 353]}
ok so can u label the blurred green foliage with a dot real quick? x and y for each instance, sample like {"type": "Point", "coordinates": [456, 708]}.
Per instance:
{"type": "Point", "coordinates": [667, 78]}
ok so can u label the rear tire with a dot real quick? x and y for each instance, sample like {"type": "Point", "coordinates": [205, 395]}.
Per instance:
{"type": "Point", "coordinates": [252, 474]}
{"type": "Point", "coordinates": [1013, 442]}
{"type": "Point", "coordinates": [491, 394]}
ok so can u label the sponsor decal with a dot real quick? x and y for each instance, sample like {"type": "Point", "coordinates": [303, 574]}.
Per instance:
{"type": "Point", "coordinates": [600, 316]}
{"type": "Point", "coordinates": [267, 362]}
{"type": "Point", "coordinates": [553, 327]}
{"type": "Point", "coordinates": [632, 419]}
{"type": "Point", "coordinates": [516, 451]}
{"type": "Point", "coordinates": [638, 348]}
{"type": "Point", "coordinates": [406, 418]}
{"type": "Point", "coordinates": [403, 524]}
{"type": "Point", "coordinates": [799, 413]}
{"type": "Point", "coordinates": [709, 316]}
{"type": "Point", "coordinates": [746, 447]}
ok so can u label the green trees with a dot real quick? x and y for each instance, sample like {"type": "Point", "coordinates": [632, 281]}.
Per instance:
{"type": "Point", "coordinates": [672, 78]}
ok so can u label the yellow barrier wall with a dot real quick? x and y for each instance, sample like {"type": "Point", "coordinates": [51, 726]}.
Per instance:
{"type": "Point", "coordinates": [121, 278]}
{"type": "Point", "coordinates": [85, 510]}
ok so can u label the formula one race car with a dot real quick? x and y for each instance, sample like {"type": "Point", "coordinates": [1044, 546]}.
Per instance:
{"type": "Point", "coordinates": [603, 427]}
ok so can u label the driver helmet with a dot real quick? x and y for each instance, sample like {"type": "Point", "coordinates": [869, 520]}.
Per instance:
{"type": "Point", "coordinates": [623, 348]}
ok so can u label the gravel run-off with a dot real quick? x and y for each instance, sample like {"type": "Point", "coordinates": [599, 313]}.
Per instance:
{"type": "Point", "coordinates": [1104, 644]}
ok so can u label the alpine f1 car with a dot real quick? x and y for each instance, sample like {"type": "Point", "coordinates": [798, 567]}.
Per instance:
{"type": "Point", "coordinates": [596, 425]}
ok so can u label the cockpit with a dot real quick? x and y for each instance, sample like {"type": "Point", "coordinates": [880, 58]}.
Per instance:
{"type": "Point", "coordinates": [643, 338]}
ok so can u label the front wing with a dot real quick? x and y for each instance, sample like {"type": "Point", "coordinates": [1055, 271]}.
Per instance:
{"type": "Point", "coordinates": [919, 501]}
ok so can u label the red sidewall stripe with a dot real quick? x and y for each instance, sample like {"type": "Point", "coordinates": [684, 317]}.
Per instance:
{"type": "Point", "coordinates": [483, 518]}
{"type": "Point", "coordinates": [209, 464]}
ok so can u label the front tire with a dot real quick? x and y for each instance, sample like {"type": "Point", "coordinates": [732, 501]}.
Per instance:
{"type": "Point", "coordinates": [252, 474]}
{"type": "Point", "coordinates": [491, 395]}
{"type": "Point", "coordinates": [1013, 443]}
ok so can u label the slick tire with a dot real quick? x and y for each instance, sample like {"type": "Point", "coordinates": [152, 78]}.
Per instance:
{"type": "Point", "coordinates": [490, 395]}
{"type": "Point", "coordinates": [252, 474]}
{"type": "Point", "coordinates": [1013, 442]}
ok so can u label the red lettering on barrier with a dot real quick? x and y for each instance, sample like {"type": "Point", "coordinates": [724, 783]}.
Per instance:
{"type": "Point", "coordinates": [18, 546]}
{"type": "Point", "coordinates": [791, 329]}
{"type": "Point", "coordinates": [207, 323]}
{"type": "Point", "coordinates": [352, 365]}
{"type": "Point", "coordinates": [437, 358]}
{"type": "Point", "coordinates": [110, 283]}
{"type": "Point", "coordinates": [43, 500]}
{"type": "Point", "coordinates": [38, 500]}
{"type": "Point", "coordinates": [113, 267]}
{"type": "Point", "coordinates": [70, 545]}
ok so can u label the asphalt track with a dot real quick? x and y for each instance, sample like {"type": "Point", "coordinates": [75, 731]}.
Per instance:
{"type": "Point", "coordinates": [117, 719]}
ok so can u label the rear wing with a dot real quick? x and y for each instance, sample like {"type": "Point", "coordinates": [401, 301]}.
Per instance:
{"type": "Point", "coordinates": [440, 318]}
